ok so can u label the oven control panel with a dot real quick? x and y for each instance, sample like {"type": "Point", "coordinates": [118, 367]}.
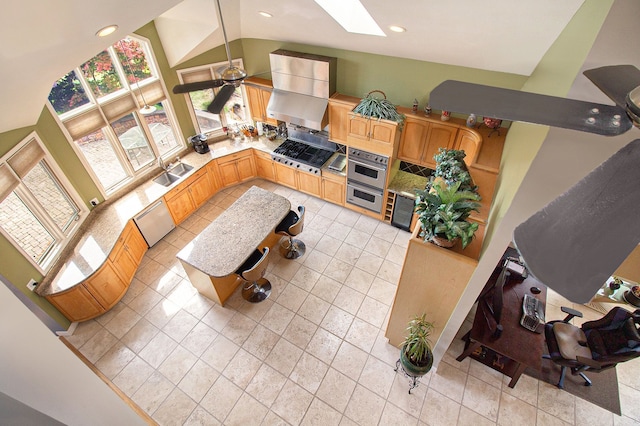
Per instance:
{"type": "Point", "coordinates": [369, 156]}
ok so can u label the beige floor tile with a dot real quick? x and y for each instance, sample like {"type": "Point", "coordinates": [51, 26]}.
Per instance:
{"type": "Point", "coordinates": [557, 402]}
{"type": "Point", "coordinates": [247, 412]}
{"type": "Point", "coordinates": [338, 270]}
{"type": "Point", "coordinates": [217, 317]}
{"type": "Point", "coordinates": [158, 349]}
{"type": "Point", "coordinates": [362, 334]}
{"type": "Point", "coordinates": [514, 411]}
{"type": "Point", "coordinates": [284, 356]}
{"type": "Point", "coordinates": [365, 407]}
{"type": "Point", "coordinates": [382, 291]}
{"type": "Point", "coordinates": [162, 313]}
{"type": "Point", "coordinates": [350, 360]}
{"type": "Point", "coordinates": [176, 409]}
{"type": "Point", "coordinates": [338, 231]}
{"type": "Point", "coordinates": [98, 345]}
{"type": "Point", "coordinates": [336, 389]}
{"type": "Point", "coordinates": [199, 338]}
{"type": "Point", "coordinates": [309, 372]}
{"type": "Point", "coordinates": [377, 377]}
{"type": "Point", "coordinates": [133, 376]}
{"type": "Point", "coordinates": [221, 398]}
{"type": "Point", "coordinates": [200, 417]}
{"type": "Point", "coordinates": [300, 331]}
{"type": "Point", "coordinates": [292, 297]}
{"type": "Point", "coordinates": [305, 278]}
{"type": "Point", "coordinates": [348, 253]}
{"type": "Point", "coordinates": [359, 280]}
{"type": "Point", "coordinates": [471, 418]}
{"type": "Point", "coordinates": [439, 410]}
{"type": "Point", "coordinates": [323, 345]}
{"type": "Point", "coordinates": [180, 325]}
{"type": "Point", "coordinates": [122, 322]}
{"type": "Point", "coordinates": [449, 381]}
{"type": "Point", "coordinates": [629, 402]}
{"type": "Point", "coordinates": [153, 392]}
{"type": "Point", "coordinates": [239, 328]}
{"type": "Point", "coordinates": [292, 403]}
{"type": "Point", "coordinates": [321, 414]}
{"type": "Point", "coordinates": [220, 352]}
{"type": "Point", "coordinates": [241, 369]}
{"type": "Point", "coordinates": [370, 262]}
{"type": "Point", "coordinates": [337, 321]}
{"type": "Point", "coordinates": [177, 364]}
{"type": "Point", "coordinates": [328, 245]}
{"type": "Point", "coordinates": [482, 398]}
{"type": "Point", "coordinates": [260, 342]}
{"type": "Point", "coordinates": [114, 360]}
{"type": "Point", "coordinates": [588, 413]}
{"type": "Point", "coordinates": [373, 311]}
{"type": "Point", "coordinates": [198, 380]}
{"type": "Point", "coordinates": [314, 309]}
{"type": "Point", "coordinates": [394, 416]}
{"type": "Point", "coordinates": [349, 300]}
{"type": "Point", "coordinates": [277, 318]}
{"type": "Point", "coordinates": [316, 260]}
{"type": "Point", "coordinates": [266, 384]}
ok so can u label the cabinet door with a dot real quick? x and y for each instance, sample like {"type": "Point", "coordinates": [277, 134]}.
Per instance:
{"type": "Point", "coordinates": [106, 286]}
{"type": "Point", "coordinates": [358, 127]}
{"type": "Point", "coordinates": [180, 206]}
{"type": "Point", "coordinates": [309, 183]}
{"type": "Point", "coordinates": [285, 175]}
{"type": "Point", "coordinates": [228, 173]}
{"type": "Point", "coordinates": [438, 136]}
{"type": "Point", "coordinates": [200, 190]}
{"type": "Point", "coordinates": [258, 112]}
{"type": "Point", "coordinates": [264, 166]}
{"type": "Point", "coordinates": [265, 96]}
{"type": "Point", "coordinates": [76, 304]}
{"type": "Point", "coordinates": [380, 131]}
{"type": "Point", "coordinates": [246, 167]}
{"type": "Point", "coordinates": [470, 142]}
{"type": "Point", "coordinates": [136, 245]}
{"type": "Point", "coordinates": [413, 140]}
{"type": "Point", "coordinates": [339, 121]}
{"type": "Point", "coordinates": [333, 191]}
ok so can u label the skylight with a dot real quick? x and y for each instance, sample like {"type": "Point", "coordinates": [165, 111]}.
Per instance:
{"type": "Point", "coordinates": [352, 16]}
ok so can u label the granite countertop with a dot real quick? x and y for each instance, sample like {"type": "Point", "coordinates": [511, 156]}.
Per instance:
{"type": "Point", "coordinates": [406, 184]}
{"type": "Point", "coordinates": [101, 230]}
{"type": "Point", "coordinates": [250, 219]}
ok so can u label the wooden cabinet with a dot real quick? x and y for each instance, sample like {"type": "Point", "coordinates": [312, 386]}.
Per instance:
{"type": "Point", "coordinates": [128, 252]}
{"type": "Point", "coordinates": [106, 286]}
{"type": "Point", "coordinates": [333, 188]}
{"type": "Point", "coordinates": [339, 108]}
{"type": "Point", "coordinates": [258, 94]}
{"type": "Point", "coordinates": [264, 165]}
{"type": "Point", "coordinates": [185, 198]}
{"type": "Point", "coordinates": [470, 142]}
{"type": "Point", "coordinates": [373, 135]}
{"type": "Point", "coordinates": [76, 304]}
{"type": "Point", "coordinates": [421, 139]}
{"type": "Point", "coordinates": [236, 168]}
{"type": "Point", "coordinates": [296, 179]}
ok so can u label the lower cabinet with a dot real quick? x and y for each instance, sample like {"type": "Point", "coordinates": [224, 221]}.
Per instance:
{"type": "Point", "coordinates": [76, 304]}
{"type": "Point", "coordinates": [128, 252]}
{"type": "Point", "coordinates": [333, 188]}
{"type": "Point", "coordinates": [189, 195]}
{"type": "Point", "coordinates": [264, 166]}
{"type": "Point", "coordinates": [236, 168]}
{"type": "Point", "coordinates": [106, 286]}
{"type": "Point", "coordinates": [302, 181]}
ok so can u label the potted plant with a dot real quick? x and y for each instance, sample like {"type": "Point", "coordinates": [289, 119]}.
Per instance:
{"type": "Point", "coordinates": [443, 211]}
{"type": "Point", "coordinates": [450, 167]}
{"type": "Point", "coordinates": [371, 106]}
{"type": "Point", "coordinates": [415, 353]}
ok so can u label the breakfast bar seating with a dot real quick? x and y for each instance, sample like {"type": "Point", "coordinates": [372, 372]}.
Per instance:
{"type": "Point", "coordinates": [256, 287]}
{"type": "Point", "coordinates": [291, 226]}
{"type": "Point", "coordinates": [212, 259]}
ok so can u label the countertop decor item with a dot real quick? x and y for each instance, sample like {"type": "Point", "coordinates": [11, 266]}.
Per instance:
{"type": "Point", "coordinates": [375, 107]}
{"type": "Point", "coordinates": [472, 120]}
{"type": "Point", "coordinates": [416, 357]}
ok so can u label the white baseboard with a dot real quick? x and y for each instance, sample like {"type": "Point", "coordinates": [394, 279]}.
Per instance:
{"type": "Point", "coordinates": [69, 331]}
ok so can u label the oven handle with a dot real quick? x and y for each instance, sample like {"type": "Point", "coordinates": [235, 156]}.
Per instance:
{"type": "Point", "coordinates": [365, 189]}
{"type": "Point", "coordinates": [370, 165]}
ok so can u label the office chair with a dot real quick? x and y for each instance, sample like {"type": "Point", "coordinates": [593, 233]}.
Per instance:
{"type": "Point", "coordinates": [291, 226]}
{"type": "Point", "coordinates": [596, 346]}
{"type": "Point", "coordinates": [256, 288]}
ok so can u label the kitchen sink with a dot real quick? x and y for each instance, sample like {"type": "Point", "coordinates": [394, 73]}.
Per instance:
{"type": "Point", "coordinates": [166, 179]}
{"type": "Point", "coordinates": [180, 169]}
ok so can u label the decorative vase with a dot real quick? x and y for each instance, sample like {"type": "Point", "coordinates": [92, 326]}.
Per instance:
{"type": "Point", "coordinates": [445, 115]}
{"type": "Point", "coordinates": [443, 241]}
{"type": "Point", "coordinates": [415, 370]}
{"type": "Point", "coordinates": [427, 110]}
{"type": "Point", "coordinates": [414, 108]}
{"type": "Point", "coordinates": [471, 120]}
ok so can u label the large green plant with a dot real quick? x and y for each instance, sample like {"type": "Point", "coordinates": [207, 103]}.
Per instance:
{"type": "Point", "coordinates": [443, 211]}
{"type": "Point", "coordinates": [450, 166]}
{"type": "Point", "coordinates": [417, 345]}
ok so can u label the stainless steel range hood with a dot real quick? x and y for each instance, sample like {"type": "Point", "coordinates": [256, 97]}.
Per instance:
{"type": "Point", "coordinates": [302, 85]}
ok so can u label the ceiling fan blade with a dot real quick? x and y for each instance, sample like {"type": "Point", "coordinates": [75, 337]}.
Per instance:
{"type": "Point", "coordinates": [198, 85]}
{"type": "Point", "coordinates": [615, 81]}
{"type": "Point", "coordinates": [221, 98]}
{"type": "Point", "coordinates": [514, 105]}
{"type": "Point", "coordinates": [577, 241]}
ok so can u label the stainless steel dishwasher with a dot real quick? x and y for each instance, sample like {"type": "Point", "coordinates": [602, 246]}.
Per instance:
{"type": "Point", "coordinates": [155, 222]}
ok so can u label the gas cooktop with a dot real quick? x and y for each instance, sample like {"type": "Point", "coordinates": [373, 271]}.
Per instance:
{"type": "Point", "coordinates": [301, 155]}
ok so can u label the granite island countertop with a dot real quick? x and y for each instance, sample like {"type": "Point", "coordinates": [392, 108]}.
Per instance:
{"type": "Point", "coordinates": [406, 184]}
{"type": "Point", "coordinates": [101, 230]}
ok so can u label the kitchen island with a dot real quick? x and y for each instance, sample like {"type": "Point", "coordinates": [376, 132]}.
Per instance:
{"type": "Point", "coordinates": [212, 258]}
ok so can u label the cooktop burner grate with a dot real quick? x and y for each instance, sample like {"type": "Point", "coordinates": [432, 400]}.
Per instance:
{"type": "Point", "coordinates": [295, 153]}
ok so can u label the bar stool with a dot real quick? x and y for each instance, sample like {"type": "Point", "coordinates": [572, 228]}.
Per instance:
{"type": "Point", "coordinates": [291, 226]}
{"type": "Point", "coordinates": [256, 288]}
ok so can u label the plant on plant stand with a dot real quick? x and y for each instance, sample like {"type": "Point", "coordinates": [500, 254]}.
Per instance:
{"type": "Point", "coordinates": [416, 357]}
{"type": "Point", "coordinates": [443, 211]}
{"type": "Point", "coordinates": [451, 168]}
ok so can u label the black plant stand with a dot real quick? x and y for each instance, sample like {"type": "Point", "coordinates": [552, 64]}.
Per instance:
{"type": "Point", "coordinates": [415, 380]}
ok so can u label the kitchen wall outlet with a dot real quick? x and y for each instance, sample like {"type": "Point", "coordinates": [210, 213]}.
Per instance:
{"type": "Point", "coordinates": [94, 202]}
{"type": "Point", "coordinates": [31, 285]}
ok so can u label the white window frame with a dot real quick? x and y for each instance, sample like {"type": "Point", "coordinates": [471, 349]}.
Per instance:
{"type": "Point", "coordinates": [213, 69]}
{"type": "Point", "coordinates": [62, 239]}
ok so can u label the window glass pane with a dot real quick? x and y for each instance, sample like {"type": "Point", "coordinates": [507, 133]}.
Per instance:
{"type": "Point", "coordinates": [49, 193]}
{"type": "Point", "coordinates": [133, 60]}
{"type": "Point", "coordinates": [101, 74]}
{"type": "Point", "coordinates": [234, 110]}
{"type": "Point", "coordinates": [133, 140]}
{"type": "Point", "coordinates": [25, 229]}
{"type": "Point", "coordinates": [67, 94]}
{"type": "Point", "coordinates": [207, 121]}
{"type": "Point", "coordinates": [161, 130]}
{"type": "Point", "coordinates": [100, 155]}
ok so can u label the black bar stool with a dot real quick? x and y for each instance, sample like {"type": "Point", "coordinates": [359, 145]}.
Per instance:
{"type": "Point", "coordinates": [256, 288]}
{"type": "Point", "coordinates": [291, 226]}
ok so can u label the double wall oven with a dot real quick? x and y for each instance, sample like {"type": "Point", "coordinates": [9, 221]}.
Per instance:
{"type": "Point", "coordinates": [366, 178]}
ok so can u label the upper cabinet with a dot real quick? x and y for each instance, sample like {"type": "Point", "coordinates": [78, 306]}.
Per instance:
{"type": "Point", "coordinates": [421, 139]}
{"type": "Point", "coordinates": [339, 108]}
{"type": "Point", "coordinates": [372, 134]}
{"type": "Point", "coordinates": [258, 94]}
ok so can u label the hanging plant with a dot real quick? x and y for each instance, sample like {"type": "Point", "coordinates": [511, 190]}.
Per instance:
{"type": "Point", "coordinates": [381, 108]}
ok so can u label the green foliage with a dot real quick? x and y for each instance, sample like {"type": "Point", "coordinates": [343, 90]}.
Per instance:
{"type": "Point", "coordinates": [417, 345]}
{"type": "Point", "coordinates": [443, 211]}
{"type": "Point", "coordinates": [371, 106]}
{"type": "Point", "coordinates": [451, 167]}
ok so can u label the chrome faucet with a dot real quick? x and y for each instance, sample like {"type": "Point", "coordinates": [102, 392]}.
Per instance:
{"type": "Point", "coordinates": [161, 164]}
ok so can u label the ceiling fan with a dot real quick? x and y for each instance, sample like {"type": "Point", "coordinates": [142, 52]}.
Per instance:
{"type": "Point", "coordinates": [230, 78]}
{"type": "Point", "coordinates": [575, 243]}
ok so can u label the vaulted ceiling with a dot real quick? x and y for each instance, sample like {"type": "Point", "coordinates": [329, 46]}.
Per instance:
{"type": "Point", "coordinates": [43, 41]}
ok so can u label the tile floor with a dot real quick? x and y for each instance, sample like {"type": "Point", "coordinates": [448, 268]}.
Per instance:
{"type": "Point", "coordinates": [314, 353]}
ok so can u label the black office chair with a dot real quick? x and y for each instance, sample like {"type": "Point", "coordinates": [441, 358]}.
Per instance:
{"type": "Point", "coordinates": [256, 288]}
{"type": "Point", "coordinates": [596, 346]}
{"type": "Point", "coordinates": [291, 226]}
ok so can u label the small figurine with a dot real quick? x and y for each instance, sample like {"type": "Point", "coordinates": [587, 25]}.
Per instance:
{"type": "Point", "coordinates": [445, 115]}
{"type": "Point", "coordinates": [471, 120]}
{"type": "Point", "coordinates": [427, 110]}
{"type": "Point", "coordinates": [415, 105]}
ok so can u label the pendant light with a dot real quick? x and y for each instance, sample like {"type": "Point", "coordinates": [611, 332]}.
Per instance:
{"type": "Point", "coordinates": [146, 109]}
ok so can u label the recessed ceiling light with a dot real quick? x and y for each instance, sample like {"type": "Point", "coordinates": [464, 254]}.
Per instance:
{"type": "Point", "coordinates": [352, 16]}
{"type": "Point", "coordinates": [265, 14]}
{"type": "Point", "coordinates": [109, 29]}
{"type": "Point", "coordinates": [397, 29]}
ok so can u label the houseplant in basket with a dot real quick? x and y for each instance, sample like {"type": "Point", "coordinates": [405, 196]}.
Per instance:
{"type": "Point", "coordinates": [378, 107]}
{"type": "Point", "coordinates": [416, 357]}
{"type": "Point", "coordinates": [443, 211]}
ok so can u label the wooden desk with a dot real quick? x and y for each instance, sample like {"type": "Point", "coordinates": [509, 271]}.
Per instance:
{"type": "Point", "coordinates": [517, 348]}
{"type": "Point", "coordinates": [212, 258]}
